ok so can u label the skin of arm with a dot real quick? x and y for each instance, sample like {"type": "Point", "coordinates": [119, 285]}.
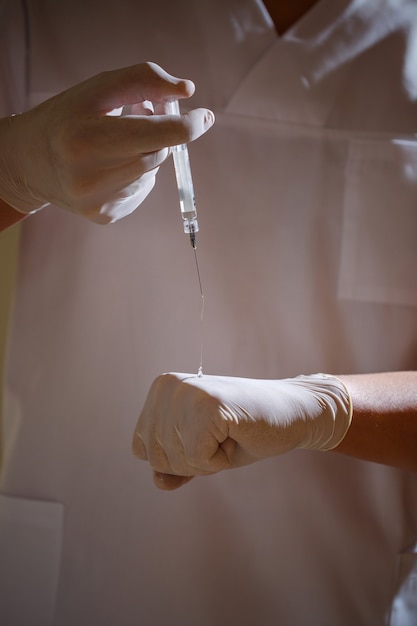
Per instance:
{"type": "Point", "coordinates": [9, 216]}
{"type": "Point", "coordinates": [286, 14]}
{"type": "Point", "coordinates": [384, 421]}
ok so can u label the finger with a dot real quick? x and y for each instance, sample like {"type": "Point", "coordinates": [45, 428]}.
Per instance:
{"type": "Point", "coordinates": [108, 138]}
{"type": "Point", "coordinates": [139, 108]}
{"type": "Point", "coordinates": [122, 190]}
{"type": "Point", "coordinates": [129, 85]}
{"type": "Point", "coordinates": [169, 482]}
{"type": "Point", "coordinates": [105, 178]}
{"type": "Point", "coordinates": [138, 447]}
{"type": "Point", "coordinates": [209, 457]}
{"type": "Point", "coordinates": [133, 135]}
{"type": "Point", "coordinates": [170, 462]}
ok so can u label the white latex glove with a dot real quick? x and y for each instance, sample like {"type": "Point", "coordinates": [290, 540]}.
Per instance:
{"type": "Point", "coordinates": [70, 152]}
{"type": "Point", "coordinates": [194, 426]}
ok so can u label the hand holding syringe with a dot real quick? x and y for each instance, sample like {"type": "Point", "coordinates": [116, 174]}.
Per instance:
{"type": "Point", "coordinates": [184, 182]}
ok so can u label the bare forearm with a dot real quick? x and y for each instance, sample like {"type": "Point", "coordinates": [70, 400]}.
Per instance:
{"type": "Point", "coordinates": [384, 423]}
{"type": "Point", "coordinates": [8, 215]}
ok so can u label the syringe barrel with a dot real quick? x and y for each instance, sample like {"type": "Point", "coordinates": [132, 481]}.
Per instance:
{"type": "Point", "coordinates": [184, 179]}
{"type": "Point", "coordinates": [184, 182]}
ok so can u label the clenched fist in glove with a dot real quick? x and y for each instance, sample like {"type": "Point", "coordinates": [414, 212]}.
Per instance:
{"type": "Point", "coordinates": [194, 425]}
{"type": "Point", "coordinates": [70, 152]}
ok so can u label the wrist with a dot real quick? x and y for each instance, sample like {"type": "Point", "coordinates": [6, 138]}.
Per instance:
{"type": "Point", "coordinates": [14, 188]}
{"type": "Point", "coordinates": [328, 410]}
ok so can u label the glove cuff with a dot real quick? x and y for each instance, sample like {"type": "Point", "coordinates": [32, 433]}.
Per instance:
{"type": "Point", "coordinates": [14, 189]}
{"type": "Point", "coordinates": [343, 414]}
{"type": "Point", "coordinates": [332, 421]}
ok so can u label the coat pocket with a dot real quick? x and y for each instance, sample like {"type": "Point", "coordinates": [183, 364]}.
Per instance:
{"type": "Point", "coordinates": [379, 237]}
{"type": "Point", "coordinates": [30, 548]}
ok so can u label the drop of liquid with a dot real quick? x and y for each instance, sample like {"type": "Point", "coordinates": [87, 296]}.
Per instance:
{"type": "Point", "coordinates": [200, 372]}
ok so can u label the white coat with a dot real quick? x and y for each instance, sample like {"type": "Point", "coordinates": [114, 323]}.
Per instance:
{"type": "Point", "coordinates": [306, 193]}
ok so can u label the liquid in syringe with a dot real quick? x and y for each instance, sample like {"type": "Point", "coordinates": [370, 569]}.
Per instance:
{"type": "Point", "coordinates": [184, 182]}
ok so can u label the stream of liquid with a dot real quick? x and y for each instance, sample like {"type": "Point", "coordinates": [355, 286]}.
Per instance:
{"type": "Point", "coordinates": [200, 368]}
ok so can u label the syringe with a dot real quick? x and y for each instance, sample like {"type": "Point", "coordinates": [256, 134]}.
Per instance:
{"type": "Point", "coordinates": [184, 182]}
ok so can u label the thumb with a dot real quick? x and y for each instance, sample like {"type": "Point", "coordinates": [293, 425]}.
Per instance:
{"type": "Point", "coordinates": [169, 482]}
{"type": "Point", "coordinates": [197, 122]}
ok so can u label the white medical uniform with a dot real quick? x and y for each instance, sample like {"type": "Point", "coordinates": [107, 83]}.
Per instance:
{"type": "Point", "coordinates": [306, 192]}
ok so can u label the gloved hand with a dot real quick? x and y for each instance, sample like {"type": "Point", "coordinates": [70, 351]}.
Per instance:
{"type": "Point", "coordinates": [194, 426]}
{"type": "Point", "coordinates": [70, 152]}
